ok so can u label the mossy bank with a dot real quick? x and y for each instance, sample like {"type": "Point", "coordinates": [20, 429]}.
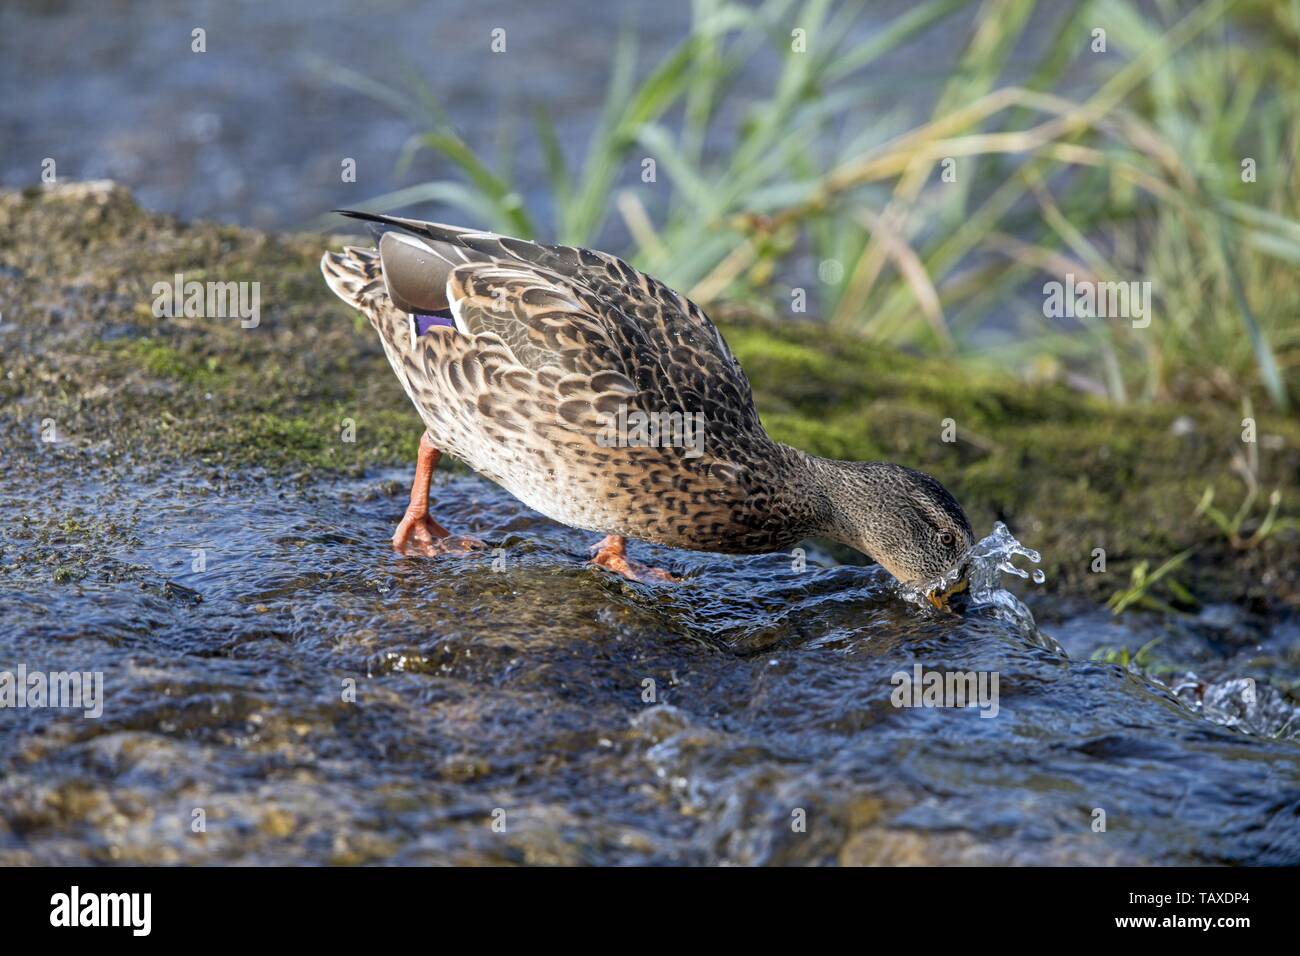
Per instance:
{"type": "Point", "coordinates": [91, 372]}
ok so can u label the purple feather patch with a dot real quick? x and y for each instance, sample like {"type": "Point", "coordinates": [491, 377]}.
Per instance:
{"type": "Point", "coordinates": [423, 323]}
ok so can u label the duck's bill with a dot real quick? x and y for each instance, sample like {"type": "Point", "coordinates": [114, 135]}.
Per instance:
{"type": "Point", "coordinates": [940, 599]}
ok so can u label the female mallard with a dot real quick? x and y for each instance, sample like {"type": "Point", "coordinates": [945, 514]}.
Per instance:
{"type": "Point", "coordinates": [607, 401]}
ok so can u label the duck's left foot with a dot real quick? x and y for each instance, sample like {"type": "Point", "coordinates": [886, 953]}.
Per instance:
{"type": "Point", "coordinates": [611, 554]}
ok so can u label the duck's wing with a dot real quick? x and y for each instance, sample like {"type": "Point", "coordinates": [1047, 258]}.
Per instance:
{"type": "Point", "coordinates": [587, 312]}
{"type": "Point", "coordinates": [543, 320]}
{"type": "Point", "coordinates": [587, 355]}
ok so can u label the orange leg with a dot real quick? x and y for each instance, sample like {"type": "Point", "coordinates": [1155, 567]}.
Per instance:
{"type": "Point", "coordinates": [611, 553]}
{"type": "Point", "coordinates": [418, 533]}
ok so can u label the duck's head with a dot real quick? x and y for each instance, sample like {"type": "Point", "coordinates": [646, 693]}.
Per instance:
{"type": "Point", "coordinates": [902, 519]}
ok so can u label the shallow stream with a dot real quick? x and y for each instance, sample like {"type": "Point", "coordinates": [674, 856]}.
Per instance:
{"type": "Point", "coordinates": [520, 706]}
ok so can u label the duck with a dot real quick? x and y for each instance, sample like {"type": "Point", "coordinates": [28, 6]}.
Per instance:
{"type": "Point", "coordinates": [609, 402]}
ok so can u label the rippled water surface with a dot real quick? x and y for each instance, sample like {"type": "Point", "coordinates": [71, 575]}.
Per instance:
{"type": "Point", "coordinates": [518, 692]}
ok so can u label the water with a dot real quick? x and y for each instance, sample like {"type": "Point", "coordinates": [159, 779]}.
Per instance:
{"type": "Point", "coordinates": [995, 555]}
{"type": "Point", "coordinates": [254, 130]}
{"type": "Point", "coordinates": [600, 720]}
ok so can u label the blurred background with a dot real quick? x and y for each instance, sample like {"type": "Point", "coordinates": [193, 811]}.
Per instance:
{"type": "Point", "coordinates": [913, 171]}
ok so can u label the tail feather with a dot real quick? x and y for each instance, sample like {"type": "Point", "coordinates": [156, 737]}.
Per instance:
{"type": "Point", "coordinates": [356, 276]}
{"type": "Point", "coordinates": [437, 231]}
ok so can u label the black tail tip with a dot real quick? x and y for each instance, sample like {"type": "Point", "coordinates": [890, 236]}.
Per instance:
{"type": "Point", "coordinates": [376, 223]}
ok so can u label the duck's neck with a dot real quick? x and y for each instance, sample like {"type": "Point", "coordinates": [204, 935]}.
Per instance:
{"type": "Point", "coordinates": [827, 495]}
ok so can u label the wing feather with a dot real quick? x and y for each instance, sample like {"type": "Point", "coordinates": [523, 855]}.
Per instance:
{"type": "Point", "coordinates": [591, 311]}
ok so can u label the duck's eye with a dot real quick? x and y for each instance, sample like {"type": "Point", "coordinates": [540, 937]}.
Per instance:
{"type": "Point", "coordinates": [946, 538]}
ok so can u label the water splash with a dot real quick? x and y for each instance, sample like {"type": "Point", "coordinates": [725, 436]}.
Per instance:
{"type": "Point", "coordinates": [991, 557]}
{"type": "Point", "coordinates": [986, 562]}
{"type": "Point", "coordinates": [1240, 702]}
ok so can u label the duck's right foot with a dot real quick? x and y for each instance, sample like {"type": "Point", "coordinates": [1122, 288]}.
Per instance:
{"type": "Point", "coordinates": [611, 554]}
{"type": "Point", "coordinates": [418, 535]}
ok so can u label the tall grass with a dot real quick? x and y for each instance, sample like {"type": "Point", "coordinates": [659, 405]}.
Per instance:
{"type": "Point", "coordinates": [1116, 165]}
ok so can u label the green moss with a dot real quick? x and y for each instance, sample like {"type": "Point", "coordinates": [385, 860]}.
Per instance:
{"type": "Point", "coordinates": [826, 438]}
{"type": "Point", "coordinates": [159, 359]}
